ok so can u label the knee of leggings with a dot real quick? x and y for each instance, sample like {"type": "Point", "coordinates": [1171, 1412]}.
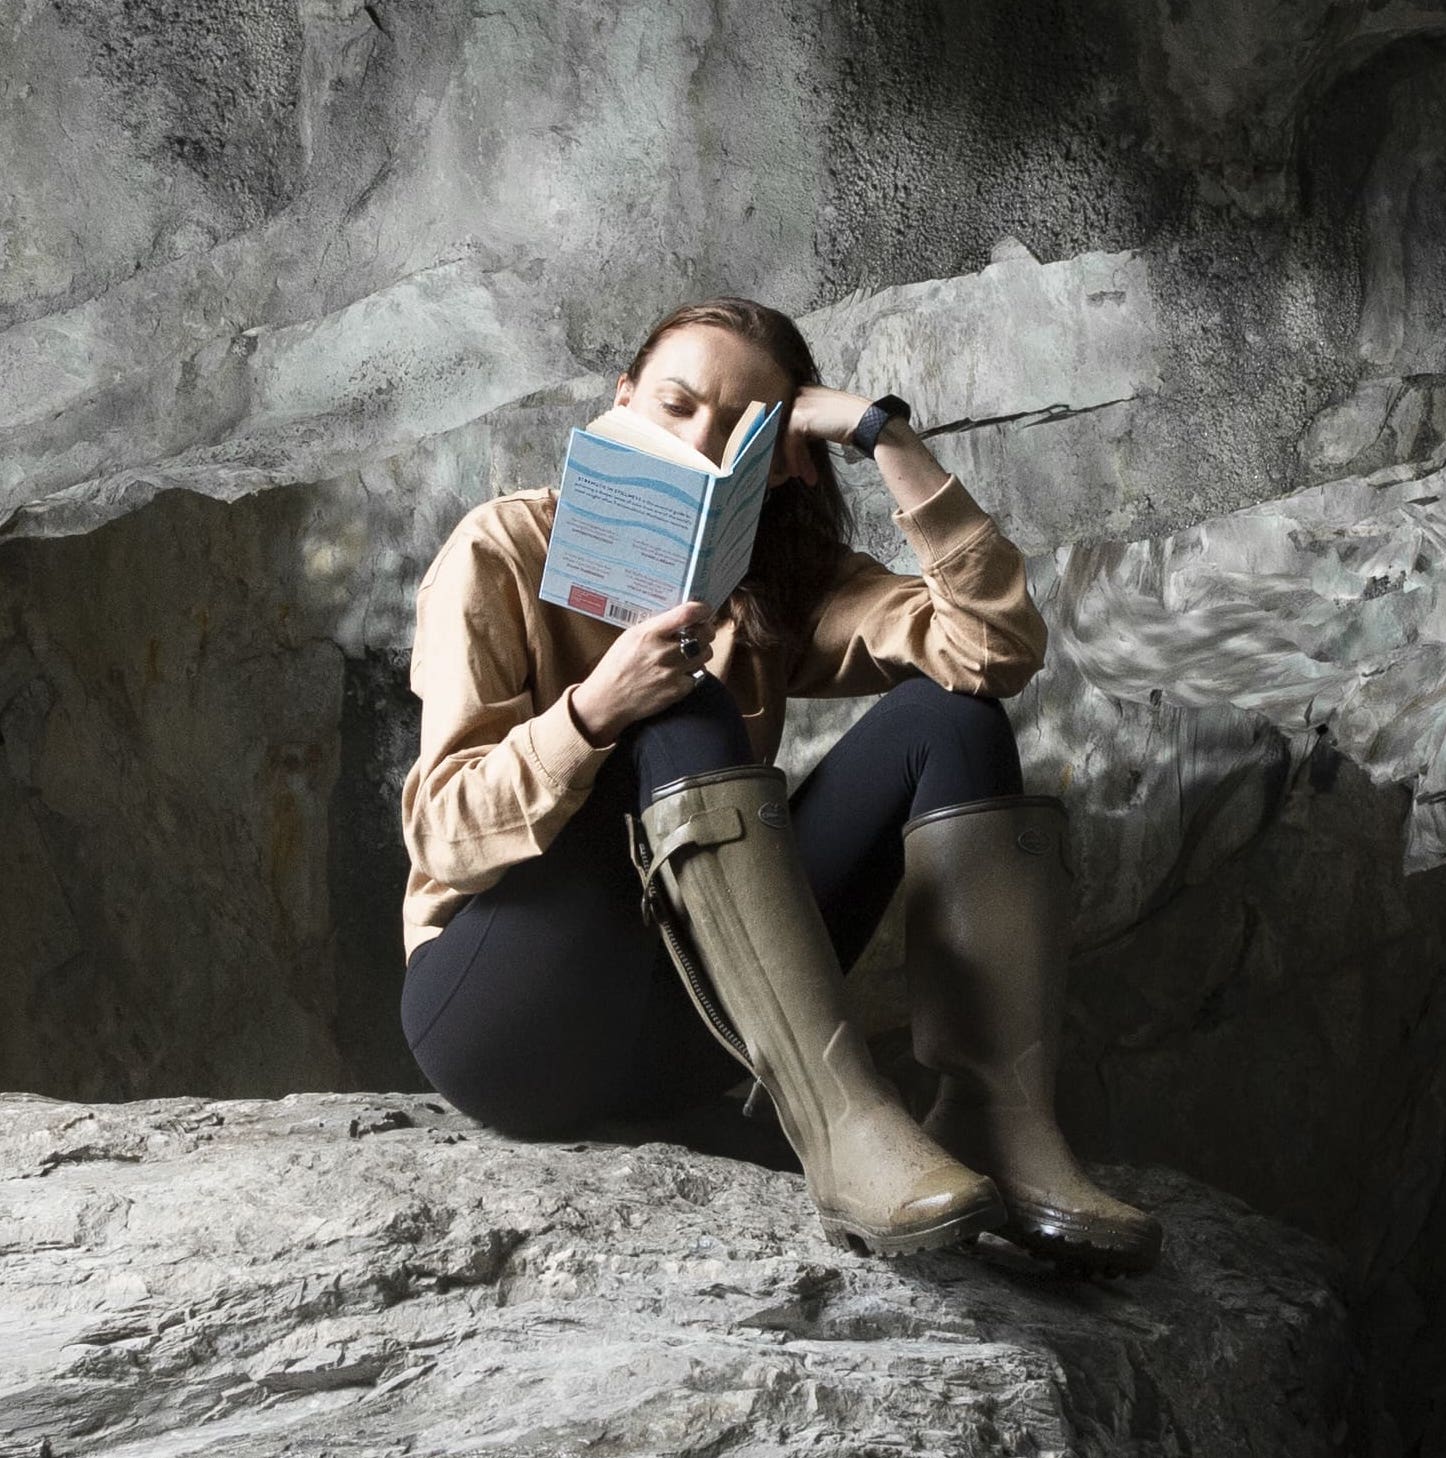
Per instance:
{"type": "Point", "coordinates": [701, 732]}
{"type": "Point", "coordinates": [924, 696]}
{"type": "Point", "coordinates": [977, 728]}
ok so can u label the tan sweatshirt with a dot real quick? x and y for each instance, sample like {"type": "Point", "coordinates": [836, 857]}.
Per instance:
{"type": "Point", "coordinates": [503, 763]}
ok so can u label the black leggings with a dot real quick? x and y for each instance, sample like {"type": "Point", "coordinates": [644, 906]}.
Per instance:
{"type": "Point", "coordinates": [546, 1002]}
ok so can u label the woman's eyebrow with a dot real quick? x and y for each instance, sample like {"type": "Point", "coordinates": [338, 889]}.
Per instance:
{"type": "Point", "coordinates": [697, 394]}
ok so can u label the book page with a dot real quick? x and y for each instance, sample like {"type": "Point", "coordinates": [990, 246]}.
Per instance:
{"type": "Point", "coordinates": [742, 433]}
{"type": "Point", "coordinates": [633, 428]}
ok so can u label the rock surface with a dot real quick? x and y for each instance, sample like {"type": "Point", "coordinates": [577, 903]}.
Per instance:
{"type": "Point", "coordinates": [398, 222]}
{"type": "Point", "coordinates": [373, 1275]}
{"type": "Point", "coordinates": [1321, 613]}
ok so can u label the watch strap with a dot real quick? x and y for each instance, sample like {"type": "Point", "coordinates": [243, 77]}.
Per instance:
{"type": "Point", "coordinates": [875, 418]}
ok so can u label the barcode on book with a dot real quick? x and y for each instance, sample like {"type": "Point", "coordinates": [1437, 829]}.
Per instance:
{"type": "Point", "coordinates": [619, 614]}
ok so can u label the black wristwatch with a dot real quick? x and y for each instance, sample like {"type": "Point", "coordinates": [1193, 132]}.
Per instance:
{"type": "Point", "coordinates": [876, 417]}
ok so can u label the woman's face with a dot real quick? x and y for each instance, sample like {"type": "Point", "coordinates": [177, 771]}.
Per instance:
{"type": "Point", "coordinates": [697, 382]}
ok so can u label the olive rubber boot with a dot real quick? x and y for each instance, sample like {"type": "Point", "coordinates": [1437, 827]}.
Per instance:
{"type": "Point", "coordinates": [986, 897]}
{"type": "Point", "coordinates": [723, 877]}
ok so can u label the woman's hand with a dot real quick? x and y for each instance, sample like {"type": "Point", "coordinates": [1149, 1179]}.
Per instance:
{"type": "Point", "coordinates": [642, 672]}
{"type": "Point", "coordinates": [905, 463]}
{"type": "Point", "coordinates": [818, 413]}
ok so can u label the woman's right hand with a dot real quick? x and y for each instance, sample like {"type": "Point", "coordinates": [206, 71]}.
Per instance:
{"type": "Point", "coordinates": [642, 672]}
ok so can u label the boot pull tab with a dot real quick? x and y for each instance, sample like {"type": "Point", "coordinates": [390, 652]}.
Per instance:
{"type": "Point", "coordinates": [707, 827]}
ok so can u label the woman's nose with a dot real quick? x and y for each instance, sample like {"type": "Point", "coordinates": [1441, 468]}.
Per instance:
{"type": "Point", "coordinates": [708, 439]}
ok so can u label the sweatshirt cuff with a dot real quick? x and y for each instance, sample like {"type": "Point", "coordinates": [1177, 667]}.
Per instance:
{"type": "Point", "coordinates": [560, 749]}
{"type": "Point", "coordinates": [943, 523]}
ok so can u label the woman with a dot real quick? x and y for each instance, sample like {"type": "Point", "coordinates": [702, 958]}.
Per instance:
{"type": "Point", "coordinates": [536, 996]}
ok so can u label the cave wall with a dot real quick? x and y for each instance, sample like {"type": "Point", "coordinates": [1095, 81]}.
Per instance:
{"type": "Point", "coordinates": [286, 287]}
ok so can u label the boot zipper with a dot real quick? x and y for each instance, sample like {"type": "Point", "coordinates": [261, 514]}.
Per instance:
{"type": "Point", "coordinates": [655, 910]}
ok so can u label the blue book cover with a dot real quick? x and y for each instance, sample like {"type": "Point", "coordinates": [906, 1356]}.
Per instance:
{"type": "Point", "coordinates": [637, 533]}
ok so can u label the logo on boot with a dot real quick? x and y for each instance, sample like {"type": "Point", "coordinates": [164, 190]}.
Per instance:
{"type": "Point", "coordinates": [1032, 842]}
{"type": "Point", "coordinates": [773, 814]}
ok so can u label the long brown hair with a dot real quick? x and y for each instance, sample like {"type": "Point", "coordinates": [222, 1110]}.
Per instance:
{"type": "Point", "coordinates": [803, 529]}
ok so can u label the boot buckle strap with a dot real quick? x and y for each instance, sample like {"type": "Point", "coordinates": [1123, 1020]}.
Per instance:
{"type": "Point", "coordinates": [639, 854]}
{"type": "Point", "coordinates": [707, 827]}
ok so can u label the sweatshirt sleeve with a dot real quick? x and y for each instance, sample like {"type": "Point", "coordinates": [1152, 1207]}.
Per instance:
{"type": "Point", "coordinates": [966, 621]}
{"type": "Point", "coordinates": [496, 779]}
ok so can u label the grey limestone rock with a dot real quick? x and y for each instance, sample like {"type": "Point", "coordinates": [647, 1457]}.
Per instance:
{"type": "Point", "coordinates": [1322, 613]}
{"type": "Point", "coordinates": [296, 402]}
{"type": "Point", "coordinates": [376, 1275]}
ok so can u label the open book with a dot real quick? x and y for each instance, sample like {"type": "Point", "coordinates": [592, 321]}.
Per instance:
{"type": "Point", "coordinates": [644, 522]}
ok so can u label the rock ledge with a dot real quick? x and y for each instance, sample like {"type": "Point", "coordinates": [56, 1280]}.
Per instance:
{"type": "Point", "coordinates": [376, 1275]}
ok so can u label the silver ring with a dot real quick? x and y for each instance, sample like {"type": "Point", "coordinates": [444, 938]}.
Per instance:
{"type": "Point", "coordinates": [688, 645]}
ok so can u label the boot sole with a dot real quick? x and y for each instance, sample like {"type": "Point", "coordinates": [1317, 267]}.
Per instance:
{"type": "Point", "coordinates": [1049, 1235]}
{"type": "Point", "coordinates": [961, 1229]}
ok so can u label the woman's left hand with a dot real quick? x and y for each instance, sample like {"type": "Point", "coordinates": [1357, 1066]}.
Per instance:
{"type": "Point", "coordinates": [819, 413]}
{"type": "Point", "coordinates": [906, 464]}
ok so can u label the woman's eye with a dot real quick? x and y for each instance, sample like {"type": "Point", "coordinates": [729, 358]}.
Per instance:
{"type": "Point", "coordinates": [674, 408]}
